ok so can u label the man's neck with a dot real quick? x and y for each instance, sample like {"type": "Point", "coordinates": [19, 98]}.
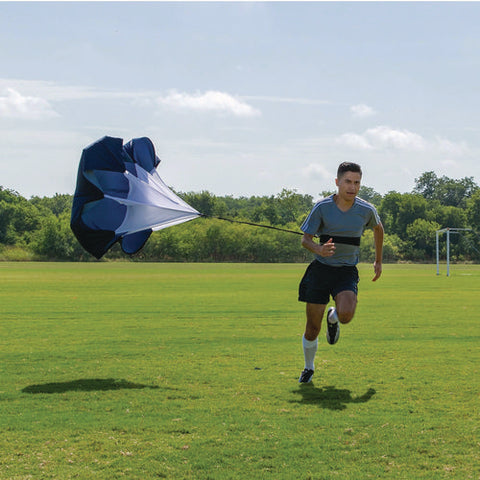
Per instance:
{"type": "Point", "coordinates": [342, 203]}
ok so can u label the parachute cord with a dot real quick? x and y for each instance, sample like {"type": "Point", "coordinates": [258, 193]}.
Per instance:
{"type": "Point", "coordinates": [252, 224]}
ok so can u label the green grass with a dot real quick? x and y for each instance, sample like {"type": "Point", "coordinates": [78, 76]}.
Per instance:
{"type": "Point", "coordinates": [189, 371]}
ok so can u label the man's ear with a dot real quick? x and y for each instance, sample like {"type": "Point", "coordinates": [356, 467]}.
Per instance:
{"type": "Point", "coordinates": [336, 182]}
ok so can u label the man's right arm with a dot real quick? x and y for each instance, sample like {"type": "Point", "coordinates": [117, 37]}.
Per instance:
{"type": "Point", "coordinates": [327, 249]}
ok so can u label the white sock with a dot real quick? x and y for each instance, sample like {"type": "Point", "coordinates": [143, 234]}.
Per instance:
{"type": "Point", "coordinates": [309, 351]}
{"type": "Point", "coordinates": [333, 317]}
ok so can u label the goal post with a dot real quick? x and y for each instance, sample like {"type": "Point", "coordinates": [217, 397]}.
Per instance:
{"type": "Point", "coordinates": [448, 231]}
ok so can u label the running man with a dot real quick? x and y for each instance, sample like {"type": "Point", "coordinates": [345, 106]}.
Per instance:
{"type": "Point", "coordinates": [339, 220]}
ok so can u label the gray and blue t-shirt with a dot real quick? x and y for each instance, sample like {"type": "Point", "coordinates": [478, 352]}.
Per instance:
{"type": "Point", "coordinates": [327, 219]}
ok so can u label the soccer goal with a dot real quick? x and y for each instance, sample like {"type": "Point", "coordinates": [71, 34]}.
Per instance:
{"type": "Point", "coordinates": [448, 231]}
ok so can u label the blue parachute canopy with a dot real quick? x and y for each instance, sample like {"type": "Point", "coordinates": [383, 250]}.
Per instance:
{"type": "Point", "coordinates": [120, 196]}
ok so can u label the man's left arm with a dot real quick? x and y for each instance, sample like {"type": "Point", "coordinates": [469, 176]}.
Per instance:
{"type": "Point", "coordinates": [378, 239]}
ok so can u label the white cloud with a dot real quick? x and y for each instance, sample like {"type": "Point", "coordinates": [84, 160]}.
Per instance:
{"type": "Point", "coordinates": [57, 92]}
{"type": "Point", "coordinates": [362, 111]}
{"type": "Point", "coordinates": [43, 91]}
{"type": "Point", "coordinates": [16, 105]}
{"type": "Point", "coordinates": [316, 171]}
{"type": "Point", "coordinates": [452, 148]}
{"type": "Point", "coordinates": [387, 137]}
{"type": "Point", "coordinates": [209, 101]}
{"type": "Point", "coordinates": [294, 100]}
{"type": "Point", "coordinates": [449, 164]}
{"type": "Point", "coordinates": [384, 137]}
{"type": "Point", "coordinates": [355, 141]}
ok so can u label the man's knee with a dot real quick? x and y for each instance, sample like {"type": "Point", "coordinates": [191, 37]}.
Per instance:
{"type": "Point", "coordinates": [311, 332]}
{"type": "Point", "coordinates": [346, 303]}
{"type": "Point", "coordinates": [345, 316]}
{"type": "Point", "coordinates": [314, 320]}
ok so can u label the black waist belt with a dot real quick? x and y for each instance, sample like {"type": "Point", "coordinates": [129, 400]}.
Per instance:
{"type": "Point", "coordinates": [336, 239]}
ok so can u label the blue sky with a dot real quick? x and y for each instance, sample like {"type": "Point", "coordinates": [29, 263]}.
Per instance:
{"type": "Point", "coordinates": [242, 98]}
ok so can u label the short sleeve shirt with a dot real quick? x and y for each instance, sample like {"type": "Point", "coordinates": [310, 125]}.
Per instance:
{"type": "Point", "coordinates": [327, 219]}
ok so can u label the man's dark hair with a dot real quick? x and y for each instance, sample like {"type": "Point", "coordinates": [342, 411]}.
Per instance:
{"type": "Point", "coordinates": [348, 167]}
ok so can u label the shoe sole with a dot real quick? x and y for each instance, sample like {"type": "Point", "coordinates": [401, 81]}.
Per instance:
{"type": "Point", "coordinates": [338, 329]}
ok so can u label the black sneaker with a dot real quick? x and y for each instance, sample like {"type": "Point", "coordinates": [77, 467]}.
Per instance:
{"type": "Point", "coordinates": [306, 376]}
{"type": "Point", "coordinates": [333, 329]}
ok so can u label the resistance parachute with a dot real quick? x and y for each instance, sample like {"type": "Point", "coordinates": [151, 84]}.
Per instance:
{"type": "Point", "coordinates": [120, 197]}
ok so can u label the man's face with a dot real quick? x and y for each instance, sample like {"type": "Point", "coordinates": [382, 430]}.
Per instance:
{"type": "Point", "coordinates": [348, 185]}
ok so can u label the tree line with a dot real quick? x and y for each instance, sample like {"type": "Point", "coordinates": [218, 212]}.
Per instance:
{"type": "Point", "coordinates": [39, 228]}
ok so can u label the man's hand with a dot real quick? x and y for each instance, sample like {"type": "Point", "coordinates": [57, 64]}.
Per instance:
{"type": "Point", "coordinates": [327, 249]}
{"type": "Point", "coordinates": [377, 266]}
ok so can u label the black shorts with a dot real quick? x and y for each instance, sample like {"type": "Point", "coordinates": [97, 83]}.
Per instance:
{"type": "Point", "coordinates": [320, 281]}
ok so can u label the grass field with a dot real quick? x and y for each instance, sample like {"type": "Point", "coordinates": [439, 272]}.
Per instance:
{"type": "Point", "coordinates": [190, 371]}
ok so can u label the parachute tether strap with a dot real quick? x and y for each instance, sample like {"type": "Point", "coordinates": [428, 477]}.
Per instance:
{"type": "Point", "coordinates": [323, 238]}
{"type": "Point", "coordinates": [252, 224]}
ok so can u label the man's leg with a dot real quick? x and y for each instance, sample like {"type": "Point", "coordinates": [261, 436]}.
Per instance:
{"type": "Point", "coordinates": [314, 320]}
{"type": "Point", "coordinates": [343, 312]}
{"type": "Point", "coordinates": [346, 303]}
{"type": "Point", "coordinates": [309, 341]}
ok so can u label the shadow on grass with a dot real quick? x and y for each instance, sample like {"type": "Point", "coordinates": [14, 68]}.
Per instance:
{"type": "Point", "coordinates": [330, 397]}
{"type": "Point", "coordinates": [85, 385]}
